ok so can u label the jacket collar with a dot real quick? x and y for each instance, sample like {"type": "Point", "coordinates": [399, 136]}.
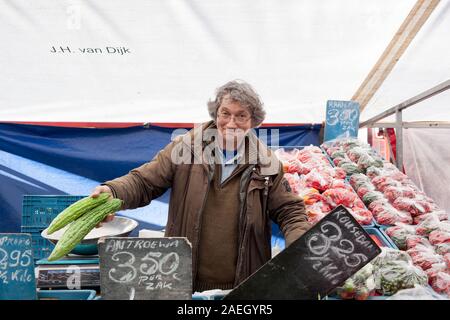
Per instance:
{"type": "Point", "coordinates": [198, 139]}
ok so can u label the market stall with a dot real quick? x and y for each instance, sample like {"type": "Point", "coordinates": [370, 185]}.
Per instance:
{"type": "Point", "coordinates": [107, 85]}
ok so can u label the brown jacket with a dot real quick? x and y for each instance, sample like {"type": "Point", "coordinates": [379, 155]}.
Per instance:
{"type": "Point", "coordinates": [264, 194]}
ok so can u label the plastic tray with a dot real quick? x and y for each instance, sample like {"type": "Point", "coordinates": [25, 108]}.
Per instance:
{"type": "Point", "coordinates": [66, 294]}
{"type": "Point", "coordinates": [382, 237]}
{"type": "Point", "coordinates": [328, 157]}
{"type": "Point", "coordinates": [384, 226]}
{"type": "Point", "coordinates": [39, 211]}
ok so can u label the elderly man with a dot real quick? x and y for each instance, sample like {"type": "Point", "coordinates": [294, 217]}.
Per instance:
{"type": "Point", "coordinates": [226, 187]}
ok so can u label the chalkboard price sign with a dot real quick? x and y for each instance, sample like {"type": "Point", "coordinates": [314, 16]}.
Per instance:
{"type": "Point", "coordinates": [17, 280]}
{"type": "Point", "coordinates": [312, 266]}
{"type": "Point", "coordinates": [342, 119]}
{"type": "Point", "coordinates": [145, 268]}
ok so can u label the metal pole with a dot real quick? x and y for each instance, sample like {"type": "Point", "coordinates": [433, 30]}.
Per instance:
{"type": "Point", "coordinates": [416, 124]}
{"type": "Point", "coordinates": [408, 103]}
{"type": "Point", "coordinates": [399, 134]}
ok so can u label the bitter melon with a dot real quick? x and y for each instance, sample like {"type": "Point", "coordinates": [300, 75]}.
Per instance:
{"type": "Point", "coordinates": [81, 227]}
{"type": "Point", "coordinates": [76, 210]}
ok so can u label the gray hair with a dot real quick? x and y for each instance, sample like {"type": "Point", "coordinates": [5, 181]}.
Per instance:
{"type": "Point", "coordinates": [242, 92]}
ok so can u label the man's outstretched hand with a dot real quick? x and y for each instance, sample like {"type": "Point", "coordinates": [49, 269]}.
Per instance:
{"type": "Point", "coordinates": [94, 194]}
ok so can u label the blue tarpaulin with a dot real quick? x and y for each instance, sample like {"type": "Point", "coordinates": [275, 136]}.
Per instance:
{"type": "Point", "coordinates": [49, 160]}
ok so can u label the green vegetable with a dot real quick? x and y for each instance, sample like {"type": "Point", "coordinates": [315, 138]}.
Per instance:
{"type": "Point", "coordinates": [398, 275]}
{"type": "Point", "coordinates": [349, 167]}
{"type": "Point", "coordinates": [372, 196]}
{"type": "Point", "coordinates": [81, 227]}
{"type": "Point", "coordinates": [374, 171]}
{"type": "Point", "coordinates": [76, 210]}
{"type": "Point", "coordinates": [338, 154]}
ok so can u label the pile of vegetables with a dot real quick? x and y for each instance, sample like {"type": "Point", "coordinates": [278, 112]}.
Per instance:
{"type": "Point", "coordinates": [322, 187]}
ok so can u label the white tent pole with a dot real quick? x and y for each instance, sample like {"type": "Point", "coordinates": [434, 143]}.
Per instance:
{"type": "Point", "coordinates": [417, 17]}
{"type": "Point", "coordinates": [399, 134]}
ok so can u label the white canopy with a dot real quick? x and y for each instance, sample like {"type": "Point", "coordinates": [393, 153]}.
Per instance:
{"type": "Point", "coordinates": [297, 55]}
{"type": "Point", "coordinates": [161, 60]}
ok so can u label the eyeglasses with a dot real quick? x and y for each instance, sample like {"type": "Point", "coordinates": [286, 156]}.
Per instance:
{"type": "Point", "coordinates": [239, 119]}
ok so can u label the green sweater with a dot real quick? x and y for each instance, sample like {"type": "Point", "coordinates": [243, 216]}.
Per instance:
{"type": "Point", "coordinates": [218, 250]}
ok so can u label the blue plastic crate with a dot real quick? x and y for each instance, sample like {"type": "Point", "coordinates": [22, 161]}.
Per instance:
{"type": "Point", "coordinates": [328, 157]}
{"type": "Point", "coordinates": [384, 239]}
{"type": "Point", "coordinates": [66, 294]}
{"type": "Point", "coordinates": [385, 226]}
{"type": "Point", "coordinates": [41, 246]}
{"type": "Point", "coordinates": [370, 225]}
{"type": "Point", "coordinates": [38, 211]}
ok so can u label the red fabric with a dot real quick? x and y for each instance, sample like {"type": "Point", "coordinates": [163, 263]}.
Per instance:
{"type": "Point", "coordinates": [393, 141]}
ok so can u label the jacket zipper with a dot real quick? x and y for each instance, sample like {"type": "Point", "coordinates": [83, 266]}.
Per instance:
{"type": "Point", "coordinates": [242, 232]}
{"type": "Point", "coordinates": [264, 208]}
{"type": "Point", "coordinates": [199, 221]}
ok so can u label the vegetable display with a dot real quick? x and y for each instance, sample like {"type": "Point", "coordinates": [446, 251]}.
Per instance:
{"type": "Point", "coordinates": [322, 187]}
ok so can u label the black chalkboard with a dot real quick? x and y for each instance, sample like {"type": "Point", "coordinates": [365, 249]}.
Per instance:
{"type": "Point", "coordinates": [312, 266]}
{"type": "Point", "coordinates": [145, 268]}
{"type": "Point", "coordinates": [17, 280]}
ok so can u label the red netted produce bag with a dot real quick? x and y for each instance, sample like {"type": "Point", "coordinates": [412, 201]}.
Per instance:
{"type": "Point", "coordinates": [434, 270]}
{"type": "Point", "coordinates": [442, 248]}
{"type": "Point", "coordinates": [365, 161]}
{"type": "Point", "coordinates": [373, 172]}
{"type": "Point", "coordinates": [308, 153]}
{"type": "Point", "coordinates": [314, 179]}
{"type": "Point", "coordinates": [388, 183]}
{"type": "Point", "coordinates": [339, 173]}
{"type": "Point", "coordinates": [439, 236]}
{"type": "Point", "coordinates": [359, 179]}
{"type": "Point", "coordinates": [363, 190]}
{"type": "Point", "coordinates": [358, 204]}
{"type": "Point", "coordinates": [312, 197]}
{"type": "Point", "coordinates": [317, 211]}
{"type": "Point", "coordinates": [413, 240]}
{"type": "Point", "coordinates": [429, 224]}
{"type": "Point", "coordinates": [284, 155]}
{"type": "Point", "coordinates": [447, 259]}
{"type": "Point", "coordinates": [338, 161]}
{"type": "Point", "coordinates": [441, 283]}
{"type": "Point", "coordinates": [393, 192]}
{"type": "Point", "coordinates": [294, 181]}
{"type": "Point", "coordinates": [424, 256]}
{"type": "Point", "coordinates": [293, 166]}
{"type": "Point", "coordinates": [399, 234]}
{"type": "Point", "coordinates": [363, 216]}
{"type": "Point", "coordinates": [384, 213]}
{"type": "Point", "coordinates": [340, 196]}
{"type": "Point", "coordinates": [414, 206]}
